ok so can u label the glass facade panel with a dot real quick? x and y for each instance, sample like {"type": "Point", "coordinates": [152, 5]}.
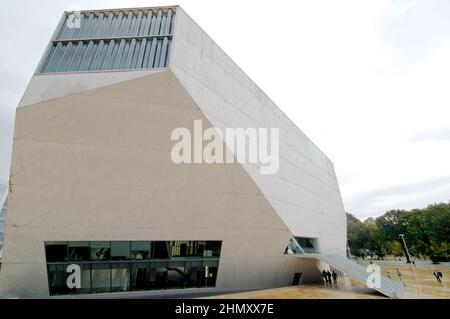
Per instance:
{"type": "Point", "coordinates": [192, 276]}
{"type": "Point", "coordinates": [120, 250]}
{"type": "Point", "coordinates": [309, 245]}
{"type": "Point", "coordinates": [140, 250]}
{"type": "Point", "coordinates": [175, 277]}
{"type": "Point", "coordinates": [101, 277]}
{"type": "Point", "coordinates": [301, 246]}
{"type": "Point", "coordinates": [120, 277]}
{"type": "Point", "coordinates": [160, 276]}
{"type": "Point", "coordinates": [185, 248]}
{"type": "Point", "coordinates": [160, 250]}
{"type": "Point", "coordinates": [209, 275]}
{"type": "Point", "coordinates": [58, 275]}
{"type": "Point", "coordinates": [212, 248]}
{"type": "Point", "coordinates": [293, 248]}
{"type": "Point", "coordinates": [143, 276]}
{"type": "Point", "coordinates": [78, 251]}
{"type": "Point", "coordinates": [100, 250]}
{"type": "Point", "coordinates": [56, 251]}
{"type": "Point", "coordinates": [119, 266]}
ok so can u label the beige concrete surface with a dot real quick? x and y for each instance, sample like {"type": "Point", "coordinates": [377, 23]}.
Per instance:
{"type": "Point", "coordinates": [425, 287]}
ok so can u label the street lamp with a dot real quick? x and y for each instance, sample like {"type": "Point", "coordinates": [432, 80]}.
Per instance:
{"type": "Point", "coordinates": [408, 257]}
{"type": "Point", "coordinates": [349, 254]}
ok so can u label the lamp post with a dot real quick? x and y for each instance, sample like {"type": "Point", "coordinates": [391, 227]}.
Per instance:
{"type": "Point", "coordinates": [408, 257]}
{"type": "Point", "coordinates": [349, 254]}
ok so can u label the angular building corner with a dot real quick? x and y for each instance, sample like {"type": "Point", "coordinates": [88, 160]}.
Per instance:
{"type": "Point", "coordinates": [94, 184]}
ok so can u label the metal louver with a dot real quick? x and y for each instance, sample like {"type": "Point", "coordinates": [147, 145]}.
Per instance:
{"type": "Point", "coordinates": [113, 40]}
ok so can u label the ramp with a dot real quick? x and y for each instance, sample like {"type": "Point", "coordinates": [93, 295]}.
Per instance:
{"type": "Point", "coordinates": [388, 287]}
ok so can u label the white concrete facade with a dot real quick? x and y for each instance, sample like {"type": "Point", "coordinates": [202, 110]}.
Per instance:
{"type": "Point", "coordinates": [305, 196]}
{"type": "Point", "coordinates": [91, 161]}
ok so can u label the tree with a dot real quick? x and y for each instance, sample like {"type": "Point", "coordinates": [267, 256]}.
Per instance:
{"type": "Point", "coordinates": [396, 248]}
{"type": "Point", "coordinates": [427, 232]}
{"type": "Point", "coordinates": [357, 235]}
{"type": "Point", "coordinates": [436, 222]}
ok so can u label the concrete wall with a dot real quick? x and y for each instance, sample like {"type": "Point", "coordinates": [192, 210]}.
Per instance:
{"type": "Point", "coordinates": [304, 195]}
{"type": "Point", "coordinates": [96, 165]}
{"type": "Point", "coordinates": [44, 87]}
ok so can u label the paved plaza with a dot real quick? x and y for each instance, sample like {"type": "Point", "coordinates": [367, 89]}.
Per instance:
{"type": "Point", "coordinates": [419, 281]}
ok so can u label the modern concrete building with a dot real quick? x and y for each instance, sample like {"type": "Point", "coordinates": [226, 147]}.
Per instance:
{"type": "Point", "coordinates": [94, 183]}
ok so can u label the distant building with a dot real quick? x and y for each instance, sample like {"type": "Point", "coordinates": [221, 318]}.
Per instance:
{"type": "Point", "coordinates": [94, 184]}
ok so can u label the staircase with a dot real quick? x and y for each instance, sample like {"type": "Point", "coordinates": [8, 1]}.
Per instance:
{"type": "Point", "coordinates": [390, 288]}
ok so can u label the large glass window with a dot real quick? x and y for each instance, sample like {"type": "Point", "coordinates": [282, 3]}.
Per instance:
{"type": "Point", "coordinates": [209, 273]}
{"type": "Point", "coordinates": [58, 275]}
{"type": "Point", "coordinates": [212, 248]}
{"type": "Point", "coordinates": [301, 246]}
{"type": "Point", "coordinates": [160, 250]}
{"type": "Point", "coordinates": [175, 274]}
{"type": "Point", "coordinates": [78, 251]}
{"type": "Point", "coordinates": [118, 266]}
{"type": "Point", "coordinates": [56, 251]}
{"type": "Point", "coordinates": [140, 250]}
{"type": "Point", "coordinates": [120, 276]}
{"type": "Point", "coordinates": [193, 273]}
{"type": "Point", "coordinates": [120, 250]}
{"type": "Point", "coordinates": [101, 277]}
{"type": "Point", "coordinates": [309, 245]}
{"type": "Point", "coordinates": [143, 276]}
{"type": "Point", "coordinates": [208, 278]}
{"type": "Point", "coordinates": [161, 274]}
{"type": "Point", "coordinates": [195, 248]}
{"type": "Point", "coordinates": [293, 248]}
{"type": "Point", "coordinates": [100, 250]}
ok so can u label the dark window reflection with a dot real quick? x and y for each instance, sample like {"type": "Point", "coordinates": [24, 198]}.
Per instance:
{"type": "Point", "coordinates": [120, 250]}
{"type": "Point", "coordinates": [56, 251]}
{"type": "Point", "coordinates": [140, 250]}
{"type": "Point", "coordinates": [100, 250]}
{"type": "Point", "coordinates": [160, 250]}
{"type": "Point", "coordinates": [78, 251]}
{"type": "Point", "coordinates": [120, 266]}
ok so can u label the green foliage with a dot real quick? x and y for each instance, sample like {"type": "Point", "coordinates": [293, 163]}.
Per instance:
{"type": "Point", "coordinates": [427, 232]}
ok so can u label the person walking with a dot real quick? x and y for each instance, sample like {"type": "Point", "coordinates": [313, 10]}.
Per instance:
{"type": "Point", "coordinates": [399, 274]}
{"type": "Point", "coordinates": [328, 276]}
{"type": "Point", "coordinates": [334, 274]}
{"type": "Point", "coordinates": [436, 275]}
{"type": "Point", "coordinates": [324, 275]}
{"type": "Point", "coordinates": [439, 274]}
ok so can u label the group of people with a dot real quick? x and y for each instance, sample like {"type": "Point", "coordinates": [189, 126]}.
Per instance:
{"type": "Point", "coordinates": [438, 275]}
{"type": "Point", "coordinates": [329, 277]}
{"type": "Point", "coordinates": [397, 271]}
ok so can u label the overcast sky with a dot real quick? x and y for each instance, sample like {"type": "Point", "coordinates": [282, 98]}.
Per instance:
{"type": "Point", "coordinates": [367, 81]}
